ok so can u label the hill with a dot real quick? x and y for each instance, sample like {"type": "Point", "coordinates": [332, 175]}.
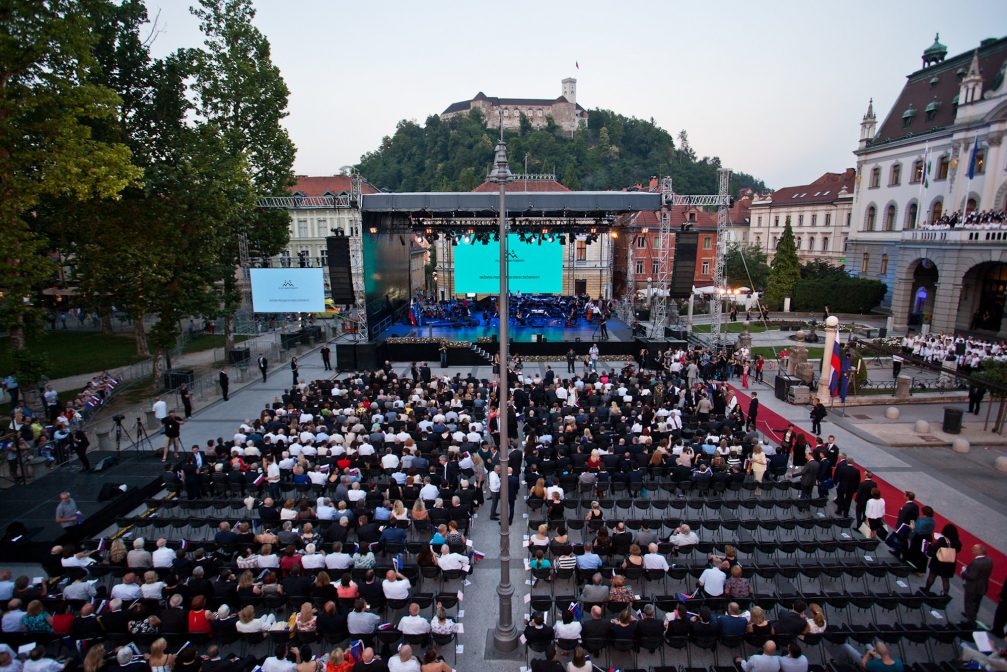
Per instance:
{"type": "Point", "coordinates": [613, 152]}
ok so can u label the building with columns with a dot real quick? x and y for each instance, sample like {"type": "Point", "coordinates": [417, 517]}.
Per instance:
{"type": "Point", "coordinates": [563, 110]}
{"type": "Point", "coordinates": [913, 178]}
{"type": "Point", "coordinates": [819, 212]}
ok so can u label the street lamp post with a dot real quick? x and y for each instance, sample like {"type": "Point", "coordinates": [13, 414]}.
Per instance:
{"type": "Point", "coordinates": [505, 636]}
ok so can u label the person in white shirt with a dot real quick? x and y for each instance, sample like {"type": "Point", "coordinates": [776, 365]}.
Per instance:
{"type": "Point", "coordinates": [279, 662]}
{"type": "Point", "coordinates": [389, 460]}
{"type": "Point", "coordinates": [654, 560]}
{"type": "Point", "coordinates": [128, 590]}
{"type": "Point", "coordinates": [356, 494]}
{"type": "Point", "coordinates": [160, 409]}
{"type": "Point", "coordinates": [12, 618]}
{"type": "Point", "coordinates": [324, 509]}
{"type": "Point", "coordinates": [551, 489]}
{"type": "Point", "coordinates": [683, 536]}
{"type": "Point", "coordinates": [404, 661]}
{"type": "Point", "coordinates": [312, 559]}
{"type": "Point", "coordinates": [429, 492]}
{"type": "Point", "coordinates": [395, 586]}
{"type": "Point", "coordinates": [162, 555]}
{"type": "Point", "coordinates": [6, 585]}
{"type": "Point", "coordinates": [337, 559]}
{"type": "Point", "coordinates": [448, 561]}
{"type": "Point", "coordinates": [713, 578]}
{"type": "Point", "coordinates": [151, 588]}
{"type": "Point", "coordinates": [413, 623]}
{"type": "Point", "coordinates": [38, 662]}
{"type": "Point", "coordinates": [8, 659]}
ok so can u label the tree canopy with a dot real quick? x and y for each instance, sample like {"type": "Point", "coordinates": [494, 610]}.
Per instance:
{"type": "Point", "coordinates": [746, 266]}
{"type": "Point", "coordinates": [785, 270]}
{"type": "Point", "coordinates": [613, 152]}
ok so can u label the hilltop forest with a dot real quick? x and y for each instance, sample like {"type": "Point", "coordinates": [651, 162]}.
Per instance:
{"type": "Point", "coordinates": [613, 152]}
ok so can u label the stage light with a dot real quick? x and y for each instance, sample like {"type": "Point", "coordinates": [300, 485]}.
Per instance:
{"type": "Point", "coordinates": [613, 234]}
{"type": "Point", "coordinates": [545, 229]}
{"type": "Point", "coordinates": [372, 229]}
{"type": "Point", "coordinates": [428, 230]}
{"type": "Point", "coordinates": [644, 230]}
{"type": "Point", "coordinates": [593, 229]}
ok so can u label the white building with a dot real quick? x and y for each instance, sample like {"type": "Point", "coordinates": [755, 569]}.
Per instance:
{"type": "Point", "coordinates": [820, 215]}
{"type": "Point", "coordinates": [946, 279]}
{"type": "Point", "coordinates": [563, 110]}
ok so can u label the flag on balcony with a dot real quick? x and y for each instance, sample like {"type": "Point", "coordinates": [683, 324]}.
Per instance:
{"type": "Point", "coordinates": [925, 176]}
{"type": "Point", "coordinates": [973, 158]}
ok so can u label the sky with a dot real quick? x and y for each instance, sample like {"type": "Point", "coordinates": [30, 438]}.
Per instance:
{"type": "Point", "coordinates": [775, 89]}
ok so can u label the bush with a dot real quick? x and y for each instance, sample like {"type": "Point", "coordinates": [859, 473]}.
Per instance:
{"type": "Point", "coordinates": [842, 295]}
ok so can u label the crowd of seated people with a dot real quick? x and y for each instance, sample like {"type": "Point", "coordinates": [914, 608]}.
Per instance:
{"type": "Point", "coordinates": [974, 219]}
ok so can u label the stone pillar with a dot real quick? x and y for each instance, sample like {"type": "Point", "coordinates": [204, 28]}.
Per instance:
{"type": "Point", "coordinates": [948, 296]}
{"type": "Point", "coordinates": [903, 386]}
{"type": "Point", "coordinates": [831, 328]}
{"type": "Point", "coordinates": [744, 338]}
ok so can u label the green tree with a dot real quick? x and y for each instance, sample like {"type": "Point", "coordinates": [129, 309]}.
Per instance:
{"type": "Point", "coordinates": [785, 270]}
{"type": "Point", "coordinates": [47, 149]}
{"type": "Point", "coordinates": [239, 89]}
{"type": "Point", "coordinates": [995, 373]}
{"type": "Point", "coordinates": [746, 266]}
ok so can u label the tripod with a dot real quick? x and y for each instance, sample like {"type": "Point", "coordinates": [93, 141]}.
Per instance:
{"type": "Point", "coordinates": [142, 438]}
{"type": "Point", "coordinates": [120, 431]}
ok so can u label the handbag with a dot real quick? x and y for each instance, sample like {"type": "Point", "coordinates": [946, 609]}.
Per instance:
{"type": "Point", "coordinates": [946, 554]}
{"type": "Point", "coordinates": [865, 529]}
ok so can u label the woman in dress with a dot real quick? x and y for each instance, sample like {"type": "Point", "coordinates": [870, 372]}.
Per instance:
{"type": "Point", "coordinates": [943, 557]}
{"type": "Point", "coordinates": [757, 466]}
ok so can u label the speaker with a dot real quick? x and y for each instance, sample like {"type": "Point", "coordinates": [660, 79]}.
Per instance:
{"type": "Point", "coordinates": [340, 273]}
{"type": "Point", "coordinates": [106, 463]}
{"type": "Point", "coordinates": [109, 491]}
{"type": "Point", "coordinates": [684, 267]}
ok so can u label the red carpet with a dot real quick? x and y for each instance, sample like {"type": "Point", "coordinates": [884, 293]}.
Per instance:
{"type": "Point", "coordinates": [770, 422]}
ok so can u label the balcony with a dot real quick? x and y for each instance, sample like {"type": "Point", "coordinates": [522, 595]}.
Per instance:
{"type": "Point", "coordinates": [956, 236]}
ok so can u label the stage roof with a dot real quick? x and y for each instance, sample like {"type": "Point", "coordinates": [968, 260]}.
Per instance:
{"type": "Point", "coordinates": [519, 204]}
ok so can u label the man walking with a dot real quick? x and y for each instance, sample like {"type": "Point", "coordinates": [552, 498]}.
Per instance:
{"type": "Point", "coordinates": [818, 414]}
{"type": "Point", "coordinates": [225, 382]}
{"type": "Point", "coordinates": [263, 366]}
{"type": "Point", "coordinates": [603, 326]}
{"type": "Point", "coordinates": [753, 412]}
{"type": "Point", "coordinates": [293, 370]}
{"type": "Point", "coordinates": [326, 353]}
{"type": "Point", "coordinates": [896, 366]}
{"type": "Point", "coordinates": [66, 510]}
{"type": "Point", "coordinates": [976, 577]}
{"type": "Point", "coordinates": [494, 482]}
{"type": "Point", "coordinates": [80, 443]}
{"type": "Point", "coordinates": [513, 485]}
{"type": "Point", "coordinates": [186, 397]}
{"type": "Point", "coordinates": [847, 479]}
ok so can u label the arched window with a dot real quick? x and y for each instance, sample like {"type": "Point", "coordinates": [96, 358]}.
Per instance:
{"type": "Point", "coordinates": [797, 243]}
{"type": "Point", "coordinates": [943, 167]}
{"type": "Point", "coordinates": [917, 171]}
{"type": "Point", "coordinates": [811, 243]}
{"type": "Point", "coordinates": [875, 177]}
{"type": "Point", "coordinates": [911, 212]}
{"type": "Point", "coordinates": [869, 219]}
{"type": "Point", "coordinates": [895, 175]}
{"type": "Point", "coordinates": [970, 205]}
{"type": "Point", "coordinates": [890, 218]}
{"type": "Point", "coordinates": [825, 243]}
{"type": "Point", "coordinates": [936, 211]}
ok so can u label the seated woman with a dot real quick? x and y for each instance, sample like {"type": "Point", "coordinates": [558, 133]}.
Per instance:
{"type": "Point", "coordinates": [247, 622]}
{"type": "Point", "coordinates": [541, 536]}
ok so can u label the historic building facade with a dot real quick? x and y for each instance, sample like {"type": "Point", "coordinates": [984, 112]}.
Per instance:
{"type": "Point", "coordinates": [937, 156]}
{"type": "Point", "coordinates": [563, 110]}
{"type": "Point", "coordinates": [820, 214]}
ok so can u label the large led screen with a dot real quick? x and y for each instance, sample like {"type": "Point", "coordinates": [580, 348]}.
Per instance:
{"type": "Point", "coordinates": [288, 290]}
{"type": "Point", "coordinates": [532, 269]}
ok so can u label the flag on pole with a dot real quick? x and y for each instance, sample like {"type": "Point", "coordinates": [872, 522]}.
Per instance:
{"type": "Point", "coordinates": [356, 650]}
{"type": "Point", "coordinates": [844, 381]}
{"type": "Point", "coordinates": [837, 369]}
{"type": "Point", "coordinates": [925, 176]}
{"type": "Point", "coordinates": [972, 159]}
{"type": "Point", "coordinates": [577, 612]}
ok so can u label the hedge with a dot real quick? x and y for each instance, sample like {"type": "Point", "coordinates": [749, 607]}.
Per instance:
{"type": "Point", "coordinates": [842, 295]}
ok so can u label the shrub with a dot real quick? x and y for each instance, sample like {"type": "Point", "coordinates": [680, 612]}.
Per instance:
{"type": "Point", "coordinates": [842, 295]}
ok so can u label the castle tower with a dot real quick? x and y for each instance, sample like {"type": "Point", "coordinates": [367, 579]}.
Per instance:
{"type": "Point", "coordinates": [570, 89]}
{"type": "Point", "coordinates": [867, 125]}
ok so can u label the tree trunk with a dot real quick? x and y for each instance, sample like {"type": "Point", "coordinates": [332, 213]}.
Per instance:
{"type": "Point", "coordinates": [106, 321]}
{"type": "Point", "coordinates": [157, 367]}
{"type": "Point", "coordinates": [17, 337]}
{"type": "Point", "coordinates": [228, 332]}
{"type": "Point", "coordinates": [140, 337]}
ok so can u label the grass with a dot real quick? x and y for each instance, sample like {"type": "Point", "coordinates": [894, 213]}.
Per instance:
{"type": "Point", "coordinates": [729, 328]}
{"type": "Point", "coordinates": [767, 352]}
{"type": "Point", "coordinates": [70, 353]}
{"type": "Point", "coordinates": [208, 342]}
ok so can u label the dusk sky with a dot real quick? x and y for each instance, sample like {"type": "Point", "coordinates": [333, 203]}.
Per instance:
{"type": "Point", "coordinates": [775, 89]}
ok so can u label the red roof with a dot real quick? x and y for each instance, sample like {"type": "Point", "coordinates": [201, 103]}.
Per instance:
{"type": "Point", "coordinates": [523, 185]}
{"type": "Point", "coordinates": [679, 216]}
{"type": "Point", "coordinates": [823, 190]}
{"type": "Point", "coordinates": [938, 85]}
{"type": "Point", "coordinates": [328, 184]}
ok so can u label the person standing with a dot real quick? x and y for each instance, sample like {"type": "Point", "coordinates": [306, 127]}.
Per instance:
{"type": "Point", "coordinates": [818, 414]}
{"type": "Point", "coordinates": [976, 577]}
{"type": "Point", "coordinates": [186, 396]}
{"type": "Point", "coordinates": [172, 433]}
{"type": "Point", "coordinates": [80, 443]}
{"type": "Point", "coordinates": [571, 361]}
{"type": "Point", "coordinates": [753, 412]}
{"type": "Point", "coordinates": [744, 375]}
{"type": "Point", "coordinates": [760, 364]}
{"type": "Point", "coordinates": [51, 398]}
{"type": "Point", "coordinates": [160, 409]}
{"type": "Point", "coordinates": [263, 366]}
{"type": "Point", "coordinates": [847, 480]}
{"type": "Point", "coordinates": [603, 326]}
{"type": "Point", "coordinates": [513, 485]}
{"type": "Point", "coordinates": [862, 494]}
{"type": "Point", "coordinates": [326, 354]}
{"type": "Point", "coordinates": [66, 511]}
{"type": "Point", "coordinates": [225, 383]}
{"type": "Point", "coordinates": [896, 365]}
{"type": "Point", "coordinates": [443, 352]}
{"type": "Point", "coordinates": [293, 369]}
{"type": "Point", "coordinates": [494, 483]}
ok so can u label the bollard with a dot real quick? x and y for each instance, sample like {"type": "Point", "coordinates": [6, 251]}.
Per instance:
{"type": "Point", "coordinates": [892, 413]}
{"type": "Point", "coordinates": [961, 446]}
{"type": "Point", "coordinates": [1001, 463]}
{"type": "Point", "coordinates": [921, 427]}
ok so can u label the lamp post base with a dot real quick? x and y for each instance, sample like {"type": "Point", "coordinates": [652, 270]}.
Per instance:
{"type": "Point", "coordinates": [505, 641]}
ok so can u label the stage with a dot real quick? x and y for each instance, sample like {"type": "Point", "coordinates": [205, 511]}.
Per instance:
{"type": "Point", "coordinates": [582, 331]}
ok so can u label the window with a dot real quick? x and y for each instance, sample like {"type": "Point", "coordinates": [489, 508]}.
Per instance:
{"type": "Point", "coordinates": [980, 162]}
{"type": "Point", "coordinates": [811, 243]}
{"type": "Point", "coordinates": [776, 222]}
{"type": "Point", "coordinates": [323, 228]}
{"type": "Point", "coordinates": [911, 213]}
{"type": "Point", "coordinates": [797, 243]}
{"type": "Point", "coordinates": [895, 175]}
{"type": "Point", "coordinates": [706, 268]}
{"type": "Point", "coordinates": [707, 242]}
{"type": "Point", "coordinates": [936, 211]}
{"type": "Point", "coordinates": [758, 241]}
{"type": "Point", "coordinates": [814, 219]}
{"type": "Point", "coordinates": [865, 262]}
{"type": "Point", "coordinates": [917, 171]}
{"type": "Point", "coordinates": [323, 257]}
{"type": "Point", "coordinates": [641, 241]}
{"type": "Point", "coordinates": [846, 243]}
{"type": "Point", "coordinates": [654, 267]}
{"type": "Point", "coordinates": [884, 264]}
{"type": "Point", "coordinates": [639, 268]}
{"type": "Point", "coordinates": [828, 219]}
{"type": "Point", "coordinates": [890, 218]}
{"type": "Point", "coordinates": [849, 219]}
{"type": "Point", "coordinates": [581, 250]}
{"type": "Point", "coordinates": [302, 228]}
{"type": "Point", "coordinates": [875, 177]}
{"type": "Point", "coordinates": [800, 220]}
{"type": "Point", "coordinates": [825, 243]}
{"type": "Point", "coordinates": [758, 220]}
{"type": "Point", "coordinates": [970, 205]}
{"type": "Point", "coordinates": [869, 218]}
{"type": "Point", "coordinates": [943, 167]}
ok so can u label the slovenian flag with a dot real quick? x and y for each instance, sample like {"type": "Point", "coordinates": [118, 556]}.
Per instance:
{"type": "Point", "coordinates": [973, 158]}
{"type": "Point", "coordinates": [925, 175]}
{"type": "Point", "coordinates": [356, 650]}
{"type": "Point", "coordinates": [844, 381]}
{"type": "Point", "coordinates": [577, 612]}
{"type": "Point", "coordinates": [683, 597]}
{"type": "Point", "coordinates": [837, 369]}
{"type": "Point", "coordinates": [259, 480]}
{"type": "Point", "coordinates": [477, 555]}
{"type": "Point", "coordinates": [101, 544]}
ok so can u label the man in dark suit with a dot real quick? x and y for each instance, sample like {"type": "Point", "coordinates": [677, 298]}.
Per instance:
{"type": "Point", "coordinates": [976, 577]}
{"type": "Point", "coordinates": [863, 494]}
{"type": "Point", "coordinates": [173, 617]}
{"type": "Point", "coordinates": [595, 627]}
{"type": "Point", "coordinates": [425, 373]}
{"type": "Point", "coordinates": [753, 412]}
{"type": "Point", "coordinates": [513, 485]}
{"type": "Point", "coordinates": [808, 477]}
{"type": "Point", "coordinates": [263, 366]}
{"type": "Point", "coordinates": [225, 382]}
{"type": "Point", "coordinates": [847, 479]}
{"type": "Point", "coordinates": [648, 627]}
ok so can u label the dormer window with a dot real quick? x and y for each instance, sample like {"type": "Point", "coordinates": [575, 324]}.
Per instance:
{"type": "Point", "coordinates": [954, 107]}
{"type": "Point", "coordinates": [907, 116]}
{"type": "Point", "coordinates": [934, 81]}
{"type": "Point", "coordinates": [931, 109]}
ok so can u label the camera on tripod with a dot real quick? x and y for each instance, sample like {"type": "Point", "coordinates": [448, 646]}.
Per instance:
{"type": "Point", "coordinates": [118, 418]}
